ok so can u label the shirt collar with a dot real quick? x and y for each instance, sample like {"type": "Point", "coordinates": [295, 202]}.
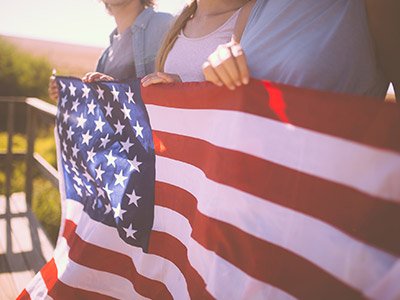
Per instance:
{"type": "Point", "coordinates": [143, 18]}
{"type": "Point", "coordinates": [141, 21]}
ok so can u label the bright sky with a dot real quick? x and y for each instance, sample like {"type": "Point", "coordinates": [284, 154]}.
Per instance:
{"type": "Point", "coordinates": [71, 21]}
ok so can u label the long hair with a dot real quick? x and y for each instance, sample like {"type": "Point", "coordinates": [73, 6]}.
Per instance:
{"type": "Point", "coordinates": [173, 33]}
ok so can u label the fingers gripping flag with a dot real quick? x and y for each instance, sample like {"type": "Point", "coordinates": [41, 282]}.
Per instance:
{"type": "Point", "coordinates": [267, 192]}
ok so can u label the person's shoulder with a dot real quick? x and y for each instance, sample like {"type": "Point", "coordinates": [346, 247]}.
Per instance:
{"type": "Point", "coordinates": [162, 17]}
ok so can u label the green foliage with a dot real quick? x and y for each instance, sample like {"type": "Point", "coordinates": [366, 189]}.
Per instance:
{"type": "Point", "coordinates": [46, 198]}
{"type": "Point", "coordinates": [22, 74]}
{"type": "Point", "coordinates": [46, 207]}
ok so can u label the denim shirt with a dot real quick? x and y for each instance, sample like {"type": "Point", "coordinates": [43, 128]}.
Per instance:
{"type": "Point", "coordinates": [147, 34]}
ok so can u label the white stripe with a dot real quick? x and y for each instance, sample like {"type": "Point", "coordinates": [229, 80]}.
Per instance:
{"type": "Point", "coordinates": [351, 261]}
{"type": "Point", "coordinates": [388, 288]}
{"type": "Point", "coordinates": [223, 280]}
{"type": "Point", "coordinates": [74, 210]}
{"type": "Point", "coordinates": [373, 171]}
{"type": "Point", "coordinates": [61, 182]}
{"type": "Point", "coordinates": [37, 289]}
{"type": "Point", "coordinates": [148, 265]}
{"type": "Point", "coordinates": [81, 277]}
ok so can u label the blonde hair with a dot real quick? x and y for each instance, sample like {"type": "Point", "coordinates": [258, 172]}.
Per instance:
{"type": "Point", "coordinates": [173, 33]}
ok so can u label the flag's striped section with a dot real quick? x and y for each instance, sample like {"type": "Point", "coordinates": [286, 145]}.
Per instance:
{"type": "Point", "coordinates": [272, 231]}
{"type": "Point", "coordinates": [311, 195]}
{"type": "Point", "coordinates": [345, 116]}
{"type": "Point", "coordinates": [197, 256]}
{"type": "Point", "coordinates": [317, 220]}
{"type": "Point", "coordinates": [92, 256]}
{"type": "Point", "coordinates": [273, 223]}
{"type": "Point", "coordinates": [312, 153]}
{"type": "Point", "coordinates": [36, 289]}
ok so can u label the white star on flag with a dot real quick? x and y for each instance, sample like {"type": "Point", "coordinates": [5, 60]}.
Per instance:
{"type": "Point", "coordinates": [108, 109]}
{"type": "Point", "coordinates": [75, 105]}
{"type": "Point", "coordinates": [119, 127]}
{"type": "Point", "coordinates": [133, 198]}
{"type": "Point", "coordinates": [63, 86]}
{"type": "Point", "coordinates": [118, 211]}
{"type": "Point", "coordinates": [126, 145]}
{"type": "Point", "coordinates": [130, 232]}
{"type": "Point", "coordinates": [134, 164]}
{"type": "Point", "coordinates": [110, 159]}
{"type": "Point", "coordinates": [78, 180]}
{"type": "Point", "coordinates": [91, 106]}
{"type": "Point", "coordinates": [63, 101]}
{"type": "Point", "coordinates": [99, 124]}
{"type": "Point", "coordinates": [138, 129]}
{"type": "Point", "coordinates": [66, 116]}
{"type": "Point", "coordinates": [87, 175]}
{"type": "Point", "coordinates": [108, 208]}
{"type": "Point", "coordinates": [64, 143]}
{"type": "Point", "coordinates": [130, 96]}
{"type": "Point", "coordinates": [115, 94]}
{"type": "Point", "coordinates": [81, 121]}
{"type": "Point", "coordinates": [85, 91]}
{"type": "Point", "coordinates": [100, 192]}
{"type": "Point", "coordinates": [91, 155]}
{"type": "Point", "coordinates": [104, 141]}
{"type": "Point", "coordinates": [99, 173]}
{"type": "Point", "coordinates": [86, 138]}
{"type": "Point", "coordinates": [70, 132]}
{"type": "Point", "coordinates": [108, 191]}
{"type": "Point", "coordinates": [126, 112]}
{"type": "Point", "coordinates": [73, 163]}
{"type": "Point", "coordinates": [119, 179]}
{"type": "Point", "coordinates": [78, 190]}
{"type": "Point", "coordinates": [89, 189]}
{"type": "Point", "coordinates": [75, 151]}
{"type": "Point", "coordinates": [100, 93]}
{"type": "Point", "coordinates": [72, 89]}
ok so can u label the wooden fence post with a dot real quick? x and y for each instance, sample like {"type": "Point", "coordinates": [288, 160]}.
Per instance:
{"type": "Point", "coordinates": [9, 163]}
{"type": "Point", "coordinates": [30, 133]}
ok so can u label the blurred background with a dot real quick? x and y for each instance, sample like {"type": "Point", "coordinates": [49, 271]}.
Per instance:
{"type": "Point", "coordinates": [35, 37]}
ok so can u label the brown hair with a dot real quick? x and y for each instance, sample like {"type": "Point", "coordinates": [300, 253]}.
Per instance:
{"type": "Point", "coordinates": [148, 3]}
{"type": "Point", "coordinates": [172, 34]}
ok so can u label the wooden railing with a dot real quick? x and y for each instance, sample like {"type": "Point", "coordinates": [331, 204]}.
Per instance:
{"type": "Point", "coordinates": [36, 110]}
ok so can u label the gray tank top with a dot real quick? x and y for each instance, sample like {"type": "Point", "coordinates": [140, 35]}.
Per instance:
{"type": "Point", "coordinates": [321, 44]}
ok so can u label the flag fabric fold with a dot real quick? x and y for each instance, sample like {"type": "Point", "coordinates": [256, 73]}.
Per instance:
{"type": "Point", "coordinates": [194, 191]}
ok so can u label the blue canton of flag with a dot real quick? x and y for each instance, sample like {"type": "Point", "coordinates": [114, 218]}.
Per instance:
{"type": "Point", "coordinates": [107, 151]}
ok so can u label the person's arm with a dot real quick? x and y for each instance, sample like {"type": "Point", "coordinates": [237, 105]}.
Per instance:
{"type": "Point", "coordinates": [384, 24]}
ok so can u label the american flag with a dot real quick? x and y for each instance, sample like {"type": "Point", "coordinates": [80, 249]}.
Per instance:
{"type": "Point", "coordinates": [193, 191]}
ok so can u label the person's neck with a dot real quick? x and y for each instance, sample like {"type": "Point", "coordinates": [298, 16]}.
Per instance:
{"type": "Point", "coordinates": [212, 7]}
{"type": "Point", "coordinates": [125, 15]}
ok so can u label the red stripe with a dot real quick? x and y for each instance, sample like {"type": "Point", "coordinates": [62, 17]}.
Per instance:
{"type": "Point", "coordinates": [49, 274]}
{"type": "Point", "coordinates": [347, 116]}
{"type": "Point", "coordinates": [61, 291]}
{"type": "Point", "coordinates": [24, 295]}
{"type": "Point", "coordinates": [258, 258]}
{"type": "Point", "coordinates": [170, 248]}
{"type": "Point", "coordinates": [101, 259]}
{"type": "Point", "coordinates": [367, 218]}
